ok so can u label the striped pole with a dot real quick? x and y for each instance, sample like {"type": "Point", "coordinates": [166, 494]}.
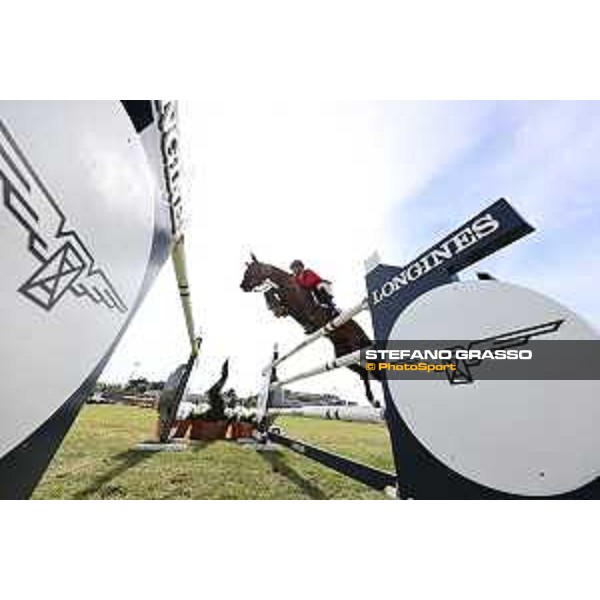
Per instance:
{"type": "Point", "coordinates": [338, 363]}
{"type": "Point", "coordinates": [179, 264]}
{"type": "Point", "coordinates": [338, 413]}
{"type": "Point", "coordinates": [262, 405]}
{"type": "Point", "coordinates": [168, 124]}
{"type": "Point", "coordinates": [326, 329]}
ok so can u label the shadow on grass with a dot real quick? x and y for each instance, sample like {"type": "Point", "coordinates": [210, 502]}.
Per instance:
{"type": "Point", "coordinates": [197, 445]}
{"type": "Point", "coordinates": [126, 460]}
{"type": "Point", "coordinates": [278, 464]}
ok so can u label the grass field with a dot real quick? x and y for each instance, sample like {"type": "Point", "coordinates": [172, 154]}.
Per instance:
{"type": "Point", "coordinates": [97, 461]}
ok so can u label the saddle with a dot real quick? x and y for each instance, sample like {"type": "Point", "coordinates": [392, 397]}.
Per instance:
{"type": "Point", "coordinates": [320, 308]}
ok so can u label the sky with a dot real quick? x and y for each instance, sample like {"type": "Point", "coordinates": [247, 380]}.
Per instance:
{"type": "Point", "coordinates": [331, 183]}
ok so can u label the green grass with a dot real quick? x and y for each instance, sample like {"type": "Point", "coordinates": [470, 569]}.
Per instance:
{"type": "Point", "coordinates": [97, 460]}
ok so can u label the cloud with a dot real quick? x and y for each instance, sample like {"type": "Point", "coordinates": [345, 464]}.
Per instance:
{"type": "Point", "coordinates": [540, 155]}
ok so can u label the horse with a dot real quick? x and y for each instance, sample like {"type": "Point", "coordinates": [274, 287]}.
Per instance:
{"type": "Point", "coordinates": [284, 297]}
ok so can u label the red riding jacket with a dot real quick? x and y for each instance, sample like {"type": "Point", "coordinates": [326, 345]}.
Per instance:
{"type": "Point", "coordinates": [308, 279]}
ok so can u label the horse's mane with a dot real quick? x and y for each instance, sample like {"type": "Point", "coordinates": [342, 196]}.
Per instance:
{"type": "Point", "coordinates": [280, 273]}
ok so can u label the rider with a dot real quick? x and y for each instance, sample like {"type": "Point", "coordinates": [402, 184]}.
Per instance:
{"type": "Point", "coordinates": [311, 281]}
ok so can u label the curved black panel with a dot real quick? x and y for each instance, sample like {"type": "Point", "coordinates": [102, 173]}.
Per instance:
{"type": "Point", "coordinates": [140, 113]}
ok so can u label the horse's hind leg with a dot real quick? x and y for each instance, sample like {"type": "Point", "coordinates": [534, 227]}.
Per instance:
{"type": "Point", "coordinates": [367, 381]}
{"type": "Point", "coordinates": [364, 375]}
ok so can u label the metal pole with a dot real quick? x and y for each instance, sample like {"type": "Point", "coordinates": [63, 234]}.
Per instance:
{"type": "Point", "coordinates": [336, 413]}
{"type": "Point", "coordinates": [374, 478]}
{"type": "Point", "coordinates": [179, 264]}
{"type": "Point", "coordinates": [262, 405]}
{"type": "Point", "coordinates": [168, 117]}
{"type": "Point", "coordinates": [338, 363]}
{"type": "Point", "coordinates": [328, 328]}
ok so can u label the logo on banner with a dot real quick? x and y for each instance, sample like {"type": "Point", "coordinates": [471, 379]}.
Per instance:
{"type": "Point", "coordinates": [66, 264]}
{"type": "Point", "coordinates": [466, 237]}
{"type": "Point", "coordinates": [512, 339]}
{"type": "Point", "coordinates": [169, 144]}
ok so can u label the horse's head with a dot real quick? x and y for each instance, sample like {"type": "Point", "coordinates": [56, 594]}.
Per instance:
{"type": "Point", "coordinates": [259, 277]}
{"type": "Point", "coordinates": [256, 273]}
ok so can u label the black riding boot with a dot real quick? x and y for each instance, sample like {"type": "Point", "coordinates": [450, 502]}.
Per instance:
{"type": "Point", "coordinates": [326, 300]}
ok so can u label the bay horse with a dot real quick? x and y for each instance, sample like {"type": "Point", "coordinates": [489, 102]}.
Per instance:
{"type": "Point", "coordinates": [284, 297]}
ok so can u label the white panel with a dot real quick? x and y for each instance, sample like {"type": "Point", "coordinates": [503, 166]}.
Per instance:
{"type": "Point", "coordinates": [88, 157]}
{"type": "Point", "coordinates": [524, 437]}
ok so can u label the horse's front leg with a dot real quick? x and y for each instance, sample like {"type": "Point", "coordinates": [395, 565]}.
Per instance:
{"type": "Point", "coordinates": [274, 303]}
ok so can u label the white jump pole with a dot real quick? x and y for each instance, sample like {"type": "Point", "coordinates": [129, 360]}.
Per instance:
{"type": "Point", "coordinates": [169, 130]}
{"type": "Point", "coordinates": [326, 329]}
{"type": "Point", "coordinates": [262, 405]}
{"type": "Point", "coordinates": [336, 413]}
{"type": "Point", "coordinates": [179, 264]}
{"type": "Point", "coordinates": [338, 363]}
